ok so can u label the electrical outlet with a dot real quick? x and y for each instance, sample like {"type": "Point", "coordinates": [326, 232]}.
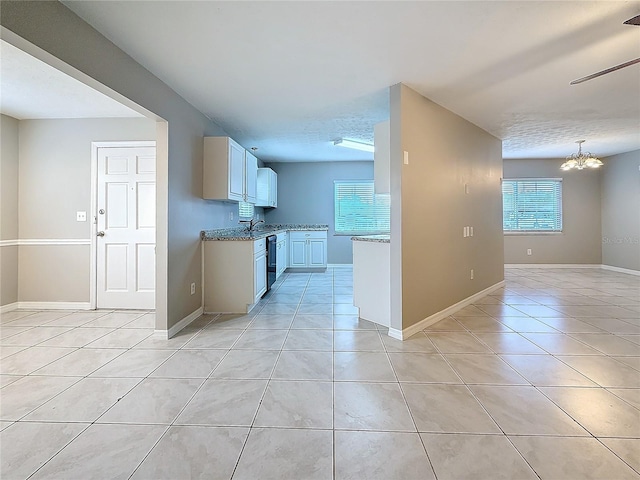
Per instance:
{"type": "Point", "coordinates": [471, 274]}
{"type": "Point", "coordinates": [231, 216]}
{"type": "Point", "coordinates": [528, 251]}
{"type": "Point", "coordinates": [193, 289]}
{"type": "Point", "coordinates": [466, 188]}
{"type": "Point", "coordinates": [81, 216]}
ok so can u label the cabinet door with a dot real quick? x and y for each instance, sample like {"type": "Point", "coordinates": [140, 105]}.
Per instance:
{"type": "Point", "coordinates": [280, 258]}
{"type": "Point", "coordinates": [298, 253]}
{"type": "Point", "coordinates": [251, 178]}
{"type": "Point", "coordinates": [273, 190]}
{"type": "Point", "coordinates": [317, 253]}
{"type": "Point", "coordinates": [260, 275]}
{"type": "Point", "coordinates": [236, 171]}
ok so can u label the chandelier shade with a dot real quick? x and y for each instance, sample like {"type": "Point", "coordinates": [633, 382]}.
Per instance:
{"type": "Point", "coordinates": [581, 160]}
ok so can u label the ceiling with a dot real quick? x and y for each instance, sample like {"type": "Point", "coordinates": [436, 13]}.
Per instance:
{"type": "Point", "coordinates": [291, 77]}
{"type": "Point", "coordinates": [31, 89]}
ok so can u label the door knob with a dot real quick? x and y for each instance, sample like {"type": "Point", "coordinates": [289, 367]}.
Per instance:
{"type": "Point", "coordinates": [100, 234]}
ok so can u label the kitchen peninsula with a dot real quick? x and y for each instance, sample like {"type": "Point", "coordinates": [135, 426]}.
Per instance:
{"type": "Point", "coordinates": [372, 277]}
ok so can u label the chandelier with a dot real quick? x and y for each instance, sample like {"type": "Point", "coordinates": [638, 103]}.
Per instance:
{"type": "Point", "coordinates": [581, 160]}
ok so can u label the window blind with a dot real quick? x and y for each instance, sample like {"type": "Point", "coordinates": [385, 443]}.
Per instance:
{"type": "Point", "coordinates": [359, 211]}
{"type": "Point", "coordinates": [245, 210]}
{"type": "Point", "coordinates": [532, 205]}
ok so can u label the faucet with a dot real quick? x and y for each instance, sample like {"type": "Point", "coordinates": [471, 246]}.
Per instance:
{"type": "Point", "coordinates": [252, 223]}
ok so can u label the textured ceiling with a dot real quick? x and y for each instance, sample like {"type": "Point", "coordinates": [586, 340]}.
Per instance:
{"type": "Point", "coordinates": [31, 89]}
{"type": "Point", "coordinates": [291, 77]}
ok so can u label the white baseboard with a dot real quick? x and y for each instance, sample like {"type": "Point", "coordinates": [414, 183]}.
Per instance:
{"type": "Point", "coordinates": [621, 270]}
{"type": "Point", "coordinates": [436, 317]}
{"type": "Point", "coordinates": [339, 265]}
{"type": "Point", "coordinates": [54, 305]}
{"type": "Point", "coordinates": [181, 324]}
{"type": "Point", "coordinates": [551, 265]}
{"type": "Point", "coordinates": [9, 307]}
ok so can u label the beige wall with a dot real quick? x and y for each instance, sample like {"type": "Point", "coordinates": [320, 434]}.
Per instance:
{"type": "Point", "coordinates": [55, 183]}
{"type": "Point", "coordinates": [8, 210]}
{"type": "Point", "coordinates": [182, 212]}
{"type": "Point", "coordinates": [445, 153]}
{"type": "Point", "coordinates": [621, 211]}
{"type": "Point", "coordinates": [579, 242]}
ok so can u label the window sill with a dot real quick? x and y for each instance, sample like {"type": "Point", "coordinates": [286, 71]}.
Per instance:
{"type": "Point", "coordinates": [359, 234]}
{"type": "Point", "coordinates": [529, 233]}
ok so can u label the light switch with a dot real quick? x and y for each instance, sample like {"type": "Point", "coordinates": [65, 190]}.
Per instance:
{"type": "Point", "coordinates": [406, 158]}
{"type": "Point", "coordinates": [81, 216]}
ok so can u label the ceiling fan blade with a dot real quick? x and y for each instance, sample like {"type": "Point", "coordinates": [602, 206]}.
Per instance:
{"type": "Point", "coordinates": [633, 21]}
{"type": "Point", "coordinates": [604, 72]}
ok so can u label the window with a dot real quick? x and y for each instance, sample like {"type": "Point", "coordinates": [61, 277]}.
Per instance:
{"type": "Point", "coordinates": [532, 205]}
{"type": "Point", "coordinates": [358, 210]}
{"type": "Point", "coordinates": [245, 210]}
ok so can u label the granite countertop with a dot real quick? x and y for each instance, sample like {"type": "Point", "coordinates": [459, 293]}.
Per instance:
{"type": "Point", "coordinates": [373, 238]}
{"type": "Point", "coordinates": [241, 233]}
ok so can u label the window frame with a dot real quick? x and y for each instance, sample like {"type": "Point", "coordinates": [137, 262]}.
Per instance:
{"type": "Point", "coordinates": [558, 207]}
{"type": "Point", "coordinates": [384, 198]}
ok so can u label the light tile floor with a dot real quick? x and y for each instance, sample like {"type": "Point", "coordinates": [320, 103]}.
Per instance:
{"type": "Point", "coordinates": [539, 379]}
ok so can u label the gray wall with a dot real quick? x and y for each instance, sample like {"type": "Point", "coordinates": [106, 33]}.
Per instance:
{"type": "Point", "coordinates": [54, 183]}
{"type": "Point", "coordinates": [305, 195]}
{"type": "Point", "coordinates": [8, 210]}
{"type": "Point", "coordinates": [182, 212]}
{"type": "Point", "coordinates": [621, 211]}
{"type": "Point", "coordinates": [430, 207]}
{"type": "Point", "coordinates": [579, 242]}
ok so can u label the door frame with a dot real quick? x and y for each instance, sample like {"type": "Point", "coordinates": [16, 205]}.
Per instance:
{"type": "Point", "coordinates": [93, 271]}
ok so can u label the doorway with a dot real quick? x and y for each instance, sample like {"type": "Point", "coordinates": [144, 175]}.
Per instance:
{"type": "Point", "coordinates": [124, 225]}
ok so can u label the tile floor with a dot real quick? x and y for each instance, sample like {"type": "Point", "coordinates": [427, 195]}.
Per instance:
{"type": "Point", "coordinates": [539, 379]}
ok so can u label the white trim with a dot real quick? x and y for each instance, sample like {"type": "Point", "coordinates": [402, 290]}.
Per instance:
{"type": "Point", "coordinates": [181, 324]}
{"type": "Point", "coordinates": [436, 317]}
{"type": "Point", "coordinates": [93, 265]}
{"type": "Point", "coordinates": [54, 305]}
{"type": "Point", "coordinates": [551, 265]}
{"type": "Point", "coordinates": [339, 265]}
{"type": "Point", "coordinates": [45, 241]}
{"type": "Point", "coordinates": [621, 270]}
{"type": "Point", "coordinates": [9, 307]}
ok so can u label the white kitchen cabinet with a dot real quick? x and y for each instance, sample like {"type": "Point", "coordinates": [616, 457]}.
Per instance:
{"type": "Point", "coordinates": [281, 253]}
{"type": "Point", "coordinates": [259, 274]}
{"type": "Point", "coordinates": [267, 188]}
{"type": "Point", "coordinates": [308, 249]}
{"type": "Point", "coordinates": [229, 171]}
{"type": "Point", "coordinates": [235, 275]}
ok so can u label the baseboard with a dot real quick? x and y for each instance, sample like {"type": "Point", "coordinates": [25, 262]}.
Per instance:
{"type": "Point", "coordinates": [181, 324]}
{"type": "Point", "coordinates": [551, 265]}
{"type": "Point", "coordinates": [340, 265]}
{"type": "Point", "coordinates": [621, 270]}
{"type": "Point", "coordinates": [306, 269]}
{"type": "Point", "coordinates": [9, 307]}
{"type": "Point", "coordinates": [436, 317]}
{"type": "Point", "coordinates": [54, 305]}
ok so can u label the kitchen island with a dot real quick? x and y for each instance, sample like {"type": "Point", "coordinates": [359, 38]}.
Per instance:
{"type": "Point", "coordinates": [371, 277]}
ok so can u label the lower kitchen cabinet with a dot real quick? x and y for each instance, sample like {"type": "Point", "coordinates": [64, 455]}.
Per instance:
{"type": "Point", "coordinates": [281, 253]}
{"type": "Point", "coordinates": [308, 249]}
{"type": "Point", "coordinates": [235, 275]}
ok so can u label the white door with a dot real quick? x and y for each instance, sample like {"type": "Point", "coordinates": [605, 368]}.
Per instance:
{"type": "Point", "coordinates": [126, 227]}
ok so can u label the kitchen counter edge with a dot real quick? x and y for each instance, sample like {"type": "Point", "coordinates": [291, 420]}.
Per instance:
{"type": "Point", "coordinates": [240, 233]}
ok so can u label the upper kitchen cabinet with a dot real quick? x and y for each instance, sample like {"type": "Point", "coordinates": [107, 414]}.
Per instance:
{"type": "Point", "coordinates": [267, 188]}
{"type": "Point", "coordinates": [382, 157]}
{"type": "Point", "coordinates": [229, 171]}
